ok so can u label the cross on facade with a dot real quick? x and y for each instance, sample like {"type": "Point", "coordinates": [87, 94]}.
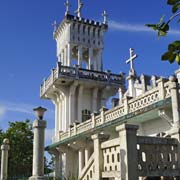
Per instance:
{"type": "Point", "coordinates": [54, 24]}
{"type": "Point", "coordinates": [132, 58]}
{"type": "Point", "coordinates": [105, 15]}
{"type": "Point", "coordinates": [68, 5]}
{"type": "Point", "coordinates": [78, 11]}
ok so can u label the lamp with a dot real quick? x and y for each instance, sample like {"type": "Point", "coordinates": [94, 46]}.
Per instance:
{"type": "Point", "coordinates": [39, 111]}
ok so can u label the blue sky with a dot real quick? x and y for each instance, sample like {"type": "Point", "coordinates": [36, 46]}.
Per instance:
{"type": "Point", "coordinates": [28, 51]}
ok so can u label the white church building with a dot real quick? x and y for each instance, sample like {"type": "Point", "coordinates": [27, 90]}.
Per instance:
{"type": "Point", "coordinates": [137, 138]}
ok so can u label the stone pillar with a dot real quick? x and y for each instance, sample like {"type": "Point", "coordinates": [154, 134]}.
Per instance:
{"type": "Point", "coordinates": [143, 83]}
{"type": "Point", "coordinates": [87, 154]}
{"type": "Point", "coordinates": [69, 51]}
{"type": "Point", "coordinates": [160, 83]}
{"type": "Point", "coordinates": [98, 156]}
{"type": "Point", "coordinates": [131, 88]}
{"type": "Point", "coordinates": [175, 100]}
{"type": "Point", "coordinates": [80, 54]}
{"type": "Point", "coordinates": [81, 160]}
{"type": "Point", "coordinates": [90, 63]}
{"type": "Point", "coordinates": [120, 95]}
{"type": "Point", "coordinates": [38, 150]}
{"type": "Point", "coordinates": [4, 159]}
{"type": "Point", "coordinates": [128, 151]}
{"type": "Point", "coordinates": [80, 93]}
{"type": "Point", "coordinates": [99, 60]}
{"type": "Point", "coordinates": [94, 99]}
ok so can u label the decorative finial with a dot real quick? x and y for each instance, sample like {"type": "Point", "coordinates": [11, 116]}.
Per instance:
{"type": "Point", "coordinates": [130, 60]}
{"type": "Point", "coordinates": [105, 15]}
{"type": "Point", "coordinates": [68, 5]}
{"type": "Point", "coordinates": [54, 24]}
{"type": "Point", "coordinates": [80, 6]}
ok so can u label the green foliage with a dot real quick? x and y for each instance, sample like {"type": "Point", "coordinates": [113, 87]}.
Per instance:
{"type": "Point", "coordinates": [163, 27]}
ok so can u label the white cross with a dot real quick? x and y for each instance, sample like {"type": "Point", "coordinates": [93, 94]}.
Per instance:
{"type": "Point", "coordinates": [105, 15]}
{"type": "Point", "coordinates": [78, 11]}
{"type": "Point", "coordinates": [68, 5]}
{"type": "Point", "coordinates": [132, 57]}
{"type": "Point", "coordinates": [54, 24]}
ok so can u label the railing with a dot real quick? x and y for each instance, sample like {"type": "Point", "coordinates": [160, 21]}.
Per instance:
{"type": "Point", "coordinates": [88, 171]}
{"type": "Point", "coordinates": [157, 156]}
{"type": "Point", "coordinates": [129, 106]}
{"type": "Point", "coordinates": [79, 73]}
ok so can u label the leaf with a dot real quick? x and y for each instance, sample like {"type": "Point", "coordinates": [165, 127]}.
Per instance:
{"type": "Point", "coordinates": [172, 2]}
{"type": "Point", "coordinates": [153, 26]}
{"type": "Point", "coordinates": [171, 47]}
{"type": "Point", "coordinates": [176, 44]}
{"type": "Point", "coordinates": [178, 58]}
{"type": "Point", "coordinates": [175, 7]}
{"type": "Point", "coordinates": [166, 56]}
{"type": "Point", "coordinates": [172, 58]}
{"type": "Point", "coordinates": [162, 33]}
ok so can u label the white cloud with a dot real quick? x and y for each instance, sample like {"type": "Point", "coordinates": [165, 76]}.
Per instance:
{"type": "Point", "coordinates": [49, 133]}
{"type": "Point", "coordinates": [118, 26]}
{"type": "Point", "coordinates": [2, 111]}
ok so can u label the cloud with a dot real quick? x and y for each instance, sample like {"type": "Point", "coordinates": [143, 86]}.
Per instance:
{"type": "Point", "coordinates": [49, 133]}
{"type": "Point", "coordinates": [118, 26]}
{"type": "Point", "coordinates": [2, 111]}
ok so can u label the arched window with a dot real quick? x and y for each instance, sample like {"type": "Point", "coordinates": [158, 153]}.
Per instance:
{"type": "Point", "coordinates": [86, 115]}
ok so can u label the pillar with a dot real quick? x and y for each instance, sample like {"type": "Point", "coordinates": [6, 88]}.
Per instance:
{"type": "Point", "coordinates": [94, 99]}
{"type": "Point", "coordinates": [80, 93]}
{"type": "Point", "coordinates": [4, 159]}
{"type": "Point", "coordinates": [90, 63]}
{"type": "Point", "coordinates": [99, 60]}
{"type": "Point", "coordinates": [175, 100]}
{"type": "Point", "coordinates": [38, 150]}
{"type": "Point", "coordinates": [98, 156]}
{"type": "Point", "coordinates": [131, 81]}
{"type": "Point", "coordinates": [87, 154]}
{"type": "Point", "coordinates": [69, 51]}
{"type": "Point", "coordinates": [81, 160]}
{"type": "Point", "coordinates": [143, 83]}
{"type": "Point", "coordinates": [128, 151]}
{"type": "Point", "coordinates": [80, 53]}
{"type": "Point", "coordinates": [160, 83]}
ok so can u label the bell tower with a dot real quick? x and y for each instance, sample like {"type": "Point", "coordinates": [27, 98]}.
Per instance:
{"type": "Point", "coordinates": [80, 41]}
{"type": "Point", "coordinates": [78, 86]}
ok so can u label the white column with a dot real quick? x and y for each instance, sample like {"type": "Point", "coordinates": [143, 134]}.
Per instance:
{"type": "Point", "coordinates": [65, 56]}
{"type": "Point", "coordinates": [98, 157]}
{"type": "Point", "coordinates": [99, 60]}
{"type": "Point", "coordinates": [94, 99]}
{"type": "Point", "coordinates": [63, 113]}
{"type": "Point", "coordinates": [69, 51]}
{"type": "Point", "coordinates": [66, 111]}
{"type": "Point", "coordinates": [81, 160]}
{"type": "Point", "coordinates": [57, 122]}
{"type": "Point", "coordinates": [175, 100]}
{"type": "Point", "coordinates": [80, 96]}
{"type": "Point", "coordinates": [90, 63]}
{"type": "Point", "coordinates": [80, 55]}
{"type": "Point", "coordinates": [4, 159]}
{"type": "Point", "coordinates": [87, 154]}
{"type": "Point", "coordinates": [38, 150]}
{"type": "Point", "coordinates": [131, 88]}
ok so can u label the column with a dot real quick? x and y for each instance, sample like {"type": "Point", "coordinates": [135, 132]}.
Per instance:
{"type": "Point", "coordinates": [4, 159]}
{"type": "Point", "coordinates": [120, 95]}
{"type": "Point", "coordinates": [69, 51]}
{"type": "Point", "coordinates": [87, 154]}
{"type": "Point", "coordinates": [81, 160]}
{"type": "Point", "coordinates": [80, 96]}
{"type": "Point", "coordinates": [57, 117]}
{"type": "Point", "coordinates": [99, 60]}
{"type": "Point", "coordinates": [131, 88]}
{"type": "Point", "coordinates": [98, 156]}
{"type": "Point", "coordinates": [143, 83]}
{"type": "Point", "coordinates": [80, 55]}
{"type": "Point", "coordinates": [66, 111]}
{"type": "Point", "coordinates": [38, 150]}
{"type": "Point", "coordinates": [128, 151]}
{"type": "Point", "coordinates": [65, 56]}
{"type": "Point", "coordinates": [90, 62]}
{"type": "Point", "coordinates": [94, 99]}
{"type": "Point", "coordinates": [160, 83]}
{"type": "Point", "coordinates": [175, 100]}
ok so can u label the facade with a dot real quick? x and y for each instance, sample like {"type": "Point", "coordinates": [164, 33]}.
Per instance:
{"type": "Point", "coordinates": [138, 137]}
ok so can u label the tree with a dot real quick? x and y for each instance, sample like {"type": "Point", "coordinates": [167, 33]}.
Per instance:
{"type": "Point", "coordinates": [162, 27]}
{"type": "Point", "coordinates": [20, 136]}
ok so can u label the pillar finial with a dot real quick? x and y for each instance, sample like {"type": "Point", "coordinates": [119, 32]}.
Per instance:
{"type": "Point", "coordinates": [105, 16]}
{"type": "Point", "coordinates": [80, 6]}
{"type": "Point", "coordinates": [54, 24]}
{"type": "Point", "coordinates": [68, 5]}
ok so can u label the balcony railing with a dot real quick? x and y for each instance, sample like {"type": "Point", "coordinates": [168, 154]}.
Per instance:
{"type": "Point", "coordinates": [79, 73]}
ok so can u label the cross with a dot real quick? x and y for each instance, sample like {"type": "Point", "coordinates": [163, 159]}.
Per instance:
{"type": "Point", "coordinates": [105, 15]}
{"type": "Point", "coordinates": [132, 57]}
{"type": "Point", "coordinates": [78, 11]}
{"type": "Point", "coordinates": [68, 5]}
{"type": "Point", "coordinates": [54, 24]}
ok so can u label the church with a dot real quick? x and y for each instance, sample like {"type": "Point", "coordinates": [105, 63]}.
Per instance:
{"type": "Point", "coordinates": [137, 138]}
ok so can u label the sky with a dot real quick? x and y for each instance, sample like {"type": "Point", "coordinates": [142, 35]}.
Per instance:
{"type": "Point", "coordinates": [28, 51]}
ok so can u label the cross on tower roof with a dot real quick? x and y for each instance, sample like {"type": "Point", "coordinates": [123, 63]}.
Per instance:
{"type": "Point", "coordinates": [105, 15]}
{"type": "Point", "coordinates": [130, 60]}
{"type": "Point", "coordinates": [54, 24]}
{"type": "Point", "coordinates": [78, 11]}
{"type": "Point", "coordinates": [68, 5]}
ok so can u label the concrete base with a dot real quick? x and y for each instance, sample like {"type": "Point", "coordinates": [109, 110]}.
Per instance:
{"type": "Point", "coordinates": [37, 178]}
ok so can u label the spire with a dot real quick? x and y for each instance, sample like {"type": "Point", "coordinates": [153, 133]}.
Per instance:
{"type": "Point", "coordinates": [78, 11]}
{"type": "Point", "coordinates": [54, 24]}
{"type": "Point", "coordinates": [68, 5]}
{"type": "Point", "coordinates": [105, 16]}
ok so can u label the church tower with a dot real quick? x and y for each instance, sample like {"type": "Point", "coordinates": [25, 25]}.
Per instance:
{"type": "Point", "coordinates": [78, 86]}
